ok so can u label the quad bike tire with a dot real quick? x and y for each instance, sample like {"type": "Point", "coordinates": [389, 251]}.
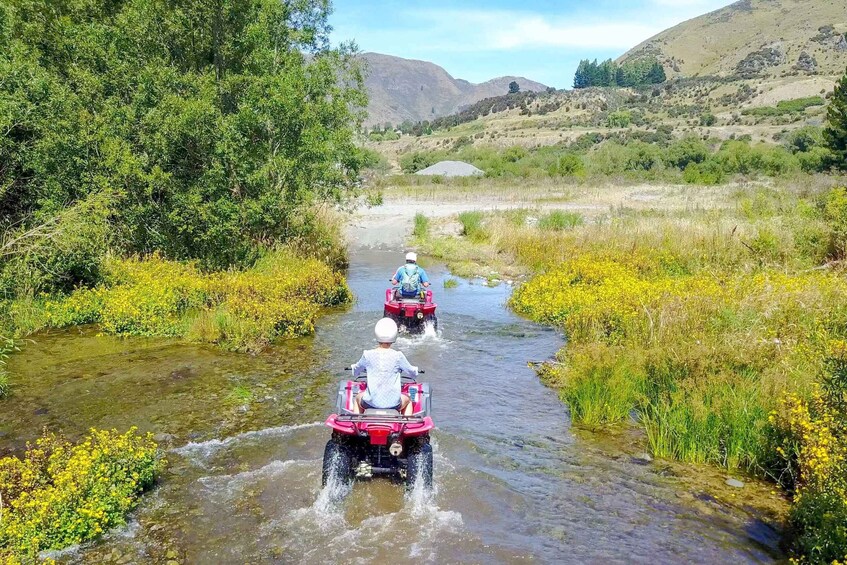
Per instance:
{"type": "Point", "coordinates": [338, 462]}
{"type": "Point", "coordinates": [419, 467]}
{"type": "Point", "coordinates": [432, 319]}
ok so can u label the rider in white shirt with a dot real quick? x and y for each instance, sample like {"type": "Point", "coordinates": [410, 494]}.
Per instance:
{"type": "Point", "coordinates": [383, 367]}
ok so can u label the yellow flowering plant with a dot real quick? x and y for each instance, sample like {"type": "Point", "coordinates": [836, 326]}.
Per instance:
{"type": "Point", "coordinates": [59, 494]}
{"type": "Point", "coordinates": [280, 296]}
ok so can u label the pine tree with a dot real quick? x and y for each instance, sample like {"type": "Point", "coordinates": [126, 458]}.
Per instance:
{"type": "Point", "coordinates": [835, 135]}
{"type": "Point", "coordinates": [580, 79]}
{"type": "Point", "coordinates": [657, 74]}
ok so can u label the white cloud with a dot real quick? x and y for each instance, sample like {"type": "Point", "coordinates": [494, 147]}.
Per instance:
{"type": "Point", "coordinates": [486, 30]}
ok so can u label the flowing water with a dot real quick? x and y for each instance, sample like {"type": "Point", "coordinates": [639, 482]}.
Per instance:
{"type": "Point", "coordinates": [244, 439]}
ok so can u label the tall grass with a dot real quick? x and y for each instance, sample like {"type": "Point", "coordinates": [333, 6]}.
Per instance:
{"type": "Point", "coordinates": [421, 225]}
{"type": "Point", "coordinates": [472, 226]}
{"type": "Point", "coordinates": [559, 220]}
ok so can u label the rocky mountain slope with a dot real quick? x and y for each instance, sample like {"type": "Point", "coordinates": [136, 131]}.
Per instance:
{"type": "Point", "coordinates": [756, 38]}
{"type": "Point", "coordinates": [405, 89]}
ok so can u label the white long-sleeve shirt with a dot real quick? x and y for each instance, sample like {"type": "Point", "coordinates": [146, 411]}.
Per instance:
{"type": "Point", "coordinates": [383, 367]}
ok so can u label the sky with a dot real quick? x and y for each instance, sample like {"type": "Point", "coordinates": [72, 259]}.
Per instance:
{"type": "Point", "coordinates": [477, 40]}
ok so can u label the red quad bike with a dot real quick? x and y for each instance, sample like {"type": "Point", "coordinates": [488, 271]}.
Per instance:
{"type": "Point", "coordinates": [379, 441]}
{"type": "Point", "coordinates": [411, 314]}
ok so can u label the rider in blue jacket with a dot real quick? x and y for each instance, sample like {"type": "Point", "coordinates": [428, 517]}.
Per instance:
{"type": "Point", "coordinates": [410, 277]}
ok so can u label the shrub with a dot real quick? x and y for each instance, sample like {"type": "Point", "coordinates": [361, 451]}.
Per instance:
{"type": "Point", "coordinates": [811, 446]}
{"type": "Point", "coordinates": [785, 107]}
{"type": "Point", "coordinates": [568, 164]}
{"type": "Point", "coordinates": [835, 213]}
{"type": "Point", "coordinates": [685, 152]}
{"type": "Point", "coordinates": [417, 161]}
{"type": "Point", "coordinates": [421, 228]}
{"type": "Point", "coordinates": [559, 220]}
{"type": "Point", "coordinates": [374, 198]}
{"type": "Point", "coordinates": [620, 119]}
{"type": "Point", "coordinates": [61, 494]}
{"type": "Point", "coordinates": [472, 226]}
{"type": "Point", "coordinates": [279, 296]}
{"type": "Point", "coordinates": [451, 283]}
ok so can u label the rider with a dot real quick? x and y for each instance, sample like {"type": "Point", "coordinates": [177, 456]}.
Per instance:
{"type": "Point", "coordinates": [383, 367]}
{"type": "Point", "coordinates": [410, 277]}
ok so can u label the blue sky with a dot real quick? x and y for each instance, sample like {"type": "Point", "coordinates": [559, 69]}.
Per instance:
{"type": "Point", "coordinates": [480, 39]}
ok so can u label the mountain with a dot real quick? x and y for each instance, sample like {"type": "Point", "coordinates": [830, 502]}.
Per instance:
{"type": "Point", "coordinates": [756, 38]}
{"type": "Point", "coordinates": [405, 89]}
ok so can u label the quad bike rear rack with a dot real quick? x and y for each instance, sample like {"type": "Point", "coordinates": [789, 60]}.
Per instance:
{"type": "Point", "coordinates": [380, 418]}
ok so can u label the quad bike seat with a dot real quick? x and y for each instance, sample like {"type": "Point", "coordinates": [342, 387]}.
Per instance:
{"type": "Point", "coordinates": [381, 412]}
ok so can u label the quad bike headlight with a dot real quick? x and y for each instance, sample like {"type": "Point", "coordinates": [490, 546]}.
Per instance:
{"type": "Point", "coordinates": [395, 448]}
{"type": "Point", "coordinates": [420, 315]}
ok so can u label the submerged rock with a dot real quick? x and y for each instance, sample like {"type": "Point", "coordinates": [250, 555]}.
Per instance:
{"type": "Point", "coordinates": [735, 483]}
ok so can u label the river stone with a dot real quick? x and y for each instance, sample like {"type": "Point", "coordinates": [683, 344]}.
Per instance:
{"type": "Point", "coordinates": [163, 437]}
{"type": "Point", "coordinates": [735, 483]}
{"type": "Point", "coordinates": [645, 457]}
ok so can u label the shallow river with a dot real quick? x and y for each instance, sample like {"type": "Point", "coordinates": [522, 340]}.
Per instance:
{"type": "Point", "coordinates": [244, 436]}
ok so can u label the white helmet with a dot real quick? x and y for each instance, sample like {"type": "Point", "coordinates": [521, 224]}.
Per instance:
{"type": "Point", "coordinates": [411, 256]}
{"type": "Point", "coordinates": [386, 331]}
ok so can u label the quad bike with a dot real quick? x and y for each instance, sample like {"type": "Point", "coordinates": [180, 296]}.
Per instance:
{"type": "Point", "coordinates": [379, 441]}
{"type": "Point", "coordinates": [411, 314]}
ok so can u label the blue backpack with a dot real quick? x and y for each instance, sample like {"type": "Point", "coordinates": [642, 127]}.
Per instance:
{"type": "Point", "coordinates": [410, 280]}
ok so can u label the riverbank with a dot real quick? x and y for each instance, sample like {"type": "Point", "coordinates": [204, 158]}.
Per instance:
{"type": "Point", "coordinates": [694, 320]}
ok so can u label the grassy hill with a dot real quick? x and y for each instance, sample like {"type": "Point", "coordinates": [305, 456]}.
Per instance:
{"type": "Point", "coordinates": [406, 89]}
{"type": "Point", "coordinates": [756, 38]}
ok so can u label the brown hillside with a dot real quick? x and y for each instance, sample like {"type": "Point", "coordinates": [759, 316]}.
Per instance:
{"type": "Point", "coordinates": [405, 89]}
{"type": "Point", "coordinates": [756, 38]}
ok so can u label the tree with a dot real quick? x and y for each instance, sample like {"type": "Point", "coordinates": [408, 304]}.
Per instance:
{"type": "Point", "coordinates": [656, 75]}
{"type": "Point", "coordinates": [835, 134]}
{"type": "Point", "coordinates": [514, 87]}
{"type": "Point", "coordinates": [582, 78]}
{"type": "Point", "coordinates": [210, 126]}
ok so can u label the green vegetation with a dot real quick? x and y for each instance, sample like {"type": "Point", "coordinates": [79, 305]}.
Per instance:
{"type": "Point", "coordinates": [785, 107]}
{"type": "Point", "coordinates": [472, 226]}
{"type": "Point", "coordinates": [836, 131]}
{"type": "Point", "coordinates": [638, 155]}
{"type": "Point", "coordinates": [451, 282]}
{"type": "Point", "coordinates": [188, 132]}
{"type": "Point", "coordinates": [559, 220]}
{"type": "Point", "coordinates": [608, 73]}
{"type": "Point", "coordinates": [712, 329]}
{"type": "Point", "coordinates": [60, 494]}
{"type": "Point", "coordinates": [421, 228]}
{"type": "Point", "coordinates": [280, 296]}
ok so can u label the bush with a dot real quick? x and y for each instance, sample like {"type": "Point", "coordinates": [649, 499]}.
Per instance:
{"type": "Point", "coordinates": [835, 214]}
{"type": "Point", "coordinates": [421, 228]}
{"type": "Point", "coordinates": [413, 162]}
{"type": "Point", "coordinates": [472, 226]}
{"type": "Point", "coordinates": [280, 296]}
{"type": "Point", "coordinates": [61, 494]}
{"type": "Point", "coordinates": [785, 107]}
{"type": "Point", "coordinates": [685, 152]}
{"type": "Point", "coordinates": [569, 164]}
{"type": "Point", "coordinates": [559, 220]}
{"type": "Point", "coordinates": [620, 119]}
{"type": "Point", "coordinates": [810, 437]}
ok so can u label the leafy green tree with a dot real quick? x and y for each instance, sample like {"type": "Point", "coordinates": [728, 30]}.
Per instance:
{"type": "Point", "coordinates": [208, 127]}
{"type": "Point", "coordinates": [514, 87]}
{"type": "Point", "coordinates": [835, 134]}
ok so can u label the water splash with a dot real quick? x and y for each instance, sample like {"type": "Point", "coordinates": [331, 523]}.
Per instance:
{"type": "Point", "coordinates": [205, 449]}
